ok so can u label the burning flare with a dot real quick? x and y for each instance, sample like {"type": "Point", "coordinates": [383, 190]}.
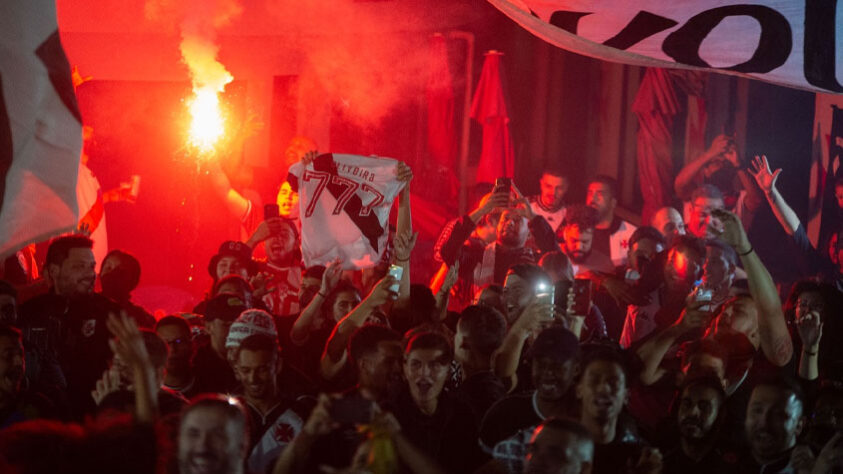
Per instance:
{"type": "Point", "coordinates": [209, 79]}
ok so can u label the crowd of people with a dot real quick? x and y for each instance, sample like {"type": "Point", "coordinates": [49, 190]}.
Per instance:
{"type": "Point", "coordinates": [555, 337]}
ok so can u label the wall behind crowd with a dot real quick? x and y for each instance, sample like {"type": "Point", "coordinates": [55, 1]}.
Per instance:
{"type": "Point", "coordinates": [565, 110]}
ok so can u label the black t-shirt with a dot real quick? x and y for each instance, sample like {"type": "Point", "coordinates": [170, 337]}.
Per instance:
{"type": "Point", "coordinates": [449, 436]}
{"type": "Point", "coordinates": [66, 344]}
{"type": "Point", "coordinates": [213, 373]}
{"type": "Point", "coordinates": [479, 392]}
{"type": "Point", "coordinates": [506, 417]}
{"type": "Point", "coordinates": [719, 460]}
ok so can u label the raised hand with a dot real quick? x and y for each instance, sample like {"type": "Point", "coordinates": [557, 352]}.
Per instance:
{"type": "Point", "coordinates": [494, 200]}
{"type": "Point", "coordinates": [732, 231]}
{"type": "Point", "coordinates": [381, 292]}
{"type": "Point", "coordinates": [108, 383]}
{"type": "Point", "coordinates": [810, 330]}
{"type": "Point", "coordinates": [128, 342]}
{"type": "Point", "coordinates": [763, 176]}
{"type": "Point", "coordinates": [521, 204]}
{"type": "Point", "coordinates": [404, 242]}
{"type": "Point", "coordinates": [331, 277]}
{"type": "Point", "coordinates": [451, 277]}
{"type": "Point", "coordinates": [309, 157]}
{"type": "Point", "coordinates": [720, 146]}
{"type": "Point", "coordinates": [403, 172]}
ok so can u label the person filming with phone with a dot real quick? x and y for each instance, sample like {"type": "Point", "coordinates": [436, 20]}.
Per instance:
{"type": "Point", "coordinates": [481, 266]}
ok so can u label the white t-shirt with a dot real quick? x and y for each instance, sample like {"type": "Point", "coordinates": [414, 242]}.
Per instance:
{"type": "Point", "coordinates": [344, 204]}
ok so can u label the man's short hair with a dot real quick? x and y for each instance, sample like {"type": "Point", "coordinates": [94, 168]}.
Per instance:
{"type": "Point", "coordinates": [785, 384]}
{"type": "Point", "coordinates": [707, 381]}
{"type": "Point", "coordinates": [557, 262]}
{"type": "Point", "coordinates": [259, 343]}
{"type": "Point", "coordinates": [487, 327]}
{"type": "Point", "coordinates": [173, 320]}
{"type": "Point", "coordinates": [608, 181]}
{"type": "Point", "coordinates": [433, 341]}
{"type": "Point", "coordinates": [580, 215]}
{"type": "Point", "coordinates": [237, 280]}
{"type": "Point", "coordinates": [728, 252]}
{"type": "Point", "coordinates": [706, 345]}
{"type": "Point", "coordinates": [365, 340]}
{"type": "Point", "coordinates": [708, 191]}
{"type": "Point", "coordinates": [155, 347]}
{"type": "Point", "coordinates": [590, 353]}
{"type": "Point", "coordinates": [530, 273]}
{"type": "Point", "coordinates": [554, 171]}
{"type": "Point", "coordinates": [229, 406]}
{"type": "Point", "coordinates": [689, 242]}
{"type": "Point", "coordinates": [60, 247]}
{"type": "Point", "coordinates": [315, 271]}
{"type": "Point", "coordinates": [129, 263]}
{"type": "Point", "coordinates": [646, 232]}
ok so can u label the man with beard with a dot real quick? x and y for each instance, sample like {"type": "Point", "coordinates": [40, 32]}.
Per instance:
{"type": "Point", "coordinates": [602, 392]}
{"type": "Point", "coordinates": [668, 221]}
{"type": "Point", "coordinates": [667, 283]}
{"type": "Point", "coordinates": [774, 419]}
{"type": "Point", "coordinates": [701, 223]}
{"type": "Point", "coordinates": [439, 424]}
{"type": "Point", "coordinates": [16, 404]}
{"type": "Point", "coordinates": [577, 235]}
{"type": "Point", "coordinates": [212, 437]}
{"type": "Point", "coordinates": [280, 272]}
{"type": "Point", "coordinates": [64, 331]}
{"type": "Point", "coordinates": [179, 377]}
{"type": "Point", "coordinates": [273, 420]}
{"type": "Point", "coordinates": [611, 233]}
{"type": "Point", "coordinates": [720, 168]}
{"type": "Point", "coordinates": [698, 417]}
{"type": "Point", "coordinates": [560, 446]}
{"type": "Point", "coordinates": [119, 276]}
{"type": "Point", "coordinates": [484, 265]}
{"type": "Point", "coordinates": [550, 202]}
{"type": "Point", "coordinates": [507, 427]}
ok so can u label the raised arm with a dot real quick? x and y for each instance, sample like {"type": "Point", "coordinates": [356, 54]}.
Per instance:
{"type": "Point", "coordinates": [767, 182]}
{"type": "Point", "coordinates": [810, 329]}
{"type": "Point", "coordinates": [686, 180]}
{"type": "Point", "coordinates": [128, 344]}
{"type": "Point", "coordinates": [236, 204]}
{"type": "Point", "coordinates": [338, 341]}
{"type": "Point", "coordinates": [652, 351]}
{"type": "Point", "coordinates": [505, 360]}
{"type": "Point", "coordinates": [304, 324]}
{"type": "Point", "coordinates": [404, 239]}
{"type": "Point", "coordinates": [775, 339]}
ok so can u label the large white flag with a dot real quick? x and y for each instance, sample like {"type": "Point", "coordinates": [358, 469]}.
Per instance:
{"type": "Point", "coordinates": [40, 127]}
{"type": "Point", "coordinates": [787, 42]}
{"type": "Point", "coordinates": [344, 204]}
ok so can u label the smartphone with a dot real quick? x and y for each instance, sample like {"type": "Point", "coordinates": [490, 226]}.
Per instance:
{"type": "Point", "coordinates": [270, 211]}
{"type": "Point", "coordinates": [503, 184]}
{"type": "Point", "coordinates": [703, 295]}
{"type": "Point", "coordinates": [397, 272]}
{"type": "Point", "coordinates": [545, 292]}
{"type": "Point", "coordinates": [582, 296]}
{"type": "Point", "coordinates": [352, 410]}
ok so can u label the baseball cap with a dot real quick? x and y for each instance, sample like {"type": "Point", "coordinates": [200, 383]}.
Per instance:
{"type": "Point", "coordinates": [231, 248]}
{"type": "Point", "coordinates": [249, 323]}
{"type": "Point", "coordinates": [224, 306]}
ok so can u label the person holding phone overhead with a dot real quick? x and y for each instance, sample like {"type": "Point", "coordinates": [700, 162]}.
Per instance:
{"type": "Point", "coordinates": [481, 266]}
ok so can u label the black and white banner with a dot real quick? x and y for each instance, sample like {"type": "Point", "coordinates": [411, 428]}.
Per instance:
{"type": "Point", "coordinates": [795, 43]}
{"type": "Point", "coordinates": [40, 127]}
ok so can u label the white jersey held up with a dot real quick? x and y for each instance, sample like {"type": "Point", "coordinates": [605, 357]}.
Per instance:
{"type": "Point", "coordinates": [344, 204]}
